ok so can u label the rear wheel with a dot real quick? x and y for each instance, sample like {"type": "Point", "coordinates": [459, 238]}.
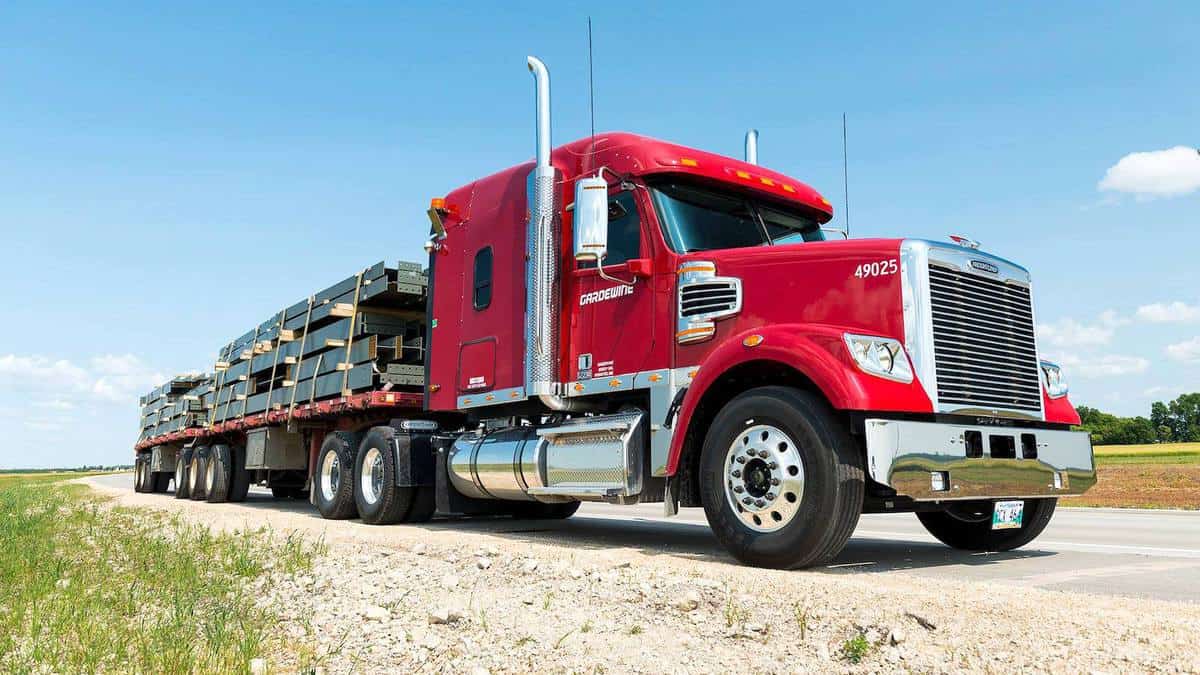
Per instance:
{"type": "Point", "coordinates": [217, 474]}
{"type": "Point", "coordinates": [183, 474]}
{"type": "Point", "coordinates": [334, 481]}
{"type": "Point", "coordinates": [239, 476]}
{"type": "Point", "coordinates": [968, 525]}
{"type": "Point", "coordinates": [379, 500]}
{"type": "Point", "coordinates": [781, 479]}
{"type": "Point", "coordinates": [196, 474]}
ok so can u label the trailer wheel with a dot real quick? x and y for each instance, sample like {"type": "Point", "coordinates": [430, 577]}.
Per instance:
{"type": "Point", "coordinates": [781, 479]}
{"type": "Point", "coordinates": [217, 474]}
{"type": "Point", "coordinates": [543, 511]}
{"type": "Point", "coordinates": [196, 474]}
{"type": "Point", "coordinates": [967, 526]}
{"type": "Point", "coordinates": [333, 481]}
{"type": "Point", "coordinates": [183, 474]}
{"type": "Point", "coordinates": [380, 501]}
{"type": "Point", "coordinates": [239, 481]}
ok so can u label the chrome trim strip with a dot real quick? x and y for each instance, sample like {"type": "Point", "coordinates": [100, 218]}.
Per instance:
{"type": "Point", "coordinates": [489, 398]}
{"type": "Point", "coordinates": [903, 454]}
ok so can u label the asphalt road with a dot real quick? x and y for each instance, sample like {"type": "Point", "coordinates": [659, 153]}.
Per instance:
{"type": "Point", "coordinates": [1124, 552]}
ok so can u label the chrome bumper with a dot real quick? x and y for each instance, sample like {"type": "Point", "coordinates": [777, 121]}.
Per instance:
{"type": "Point", "coordinates": [931, 462]}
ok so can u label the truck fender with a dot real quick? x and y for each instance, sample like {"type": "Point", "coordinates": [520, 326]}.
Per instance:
{"type": "Point", "coordinates": [816, 351]}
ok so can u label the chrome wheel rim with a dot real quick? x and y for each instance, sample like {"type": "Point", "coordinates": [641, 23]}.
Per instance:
{"type": "Point", "coordinates": [193, 478]}
{"type": "Point", "coordinates": [764, 478]}
{"type": "Point", "coordinates": [331, 476]}
{"type": "Point", "coordinates": [210, 476]}
{"type": "Point", "coordinates": [372, 475]}
{"type": "Point", "coordinates": [179, 475]}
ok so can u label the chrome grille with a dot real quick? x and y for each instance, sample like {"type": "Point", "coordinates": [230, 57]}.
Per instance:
{"type": "Point", "coordinates": [708, 298]}
{"type": "Point", "coordinates": [984, 344]}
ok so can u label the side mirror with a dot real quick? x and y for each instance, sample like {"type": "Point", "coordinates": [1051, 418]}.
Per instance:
{"type": "Point", "coordinates": [591, 219]}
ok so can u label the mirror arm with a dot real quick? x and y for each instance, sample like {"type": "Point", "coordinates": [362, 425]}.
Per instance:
{"type": "Point", "coordinates": [600, 271]}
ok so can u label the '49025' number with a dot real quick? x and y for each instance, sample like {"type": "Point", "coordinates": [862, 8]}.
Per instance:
{"type": "Point", "coordinates": [876, 269]}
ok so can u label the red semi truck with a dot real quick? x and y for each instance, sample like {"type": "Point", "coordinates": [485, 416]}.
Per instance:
{"type": "Point", "coordinates": [627, 320]}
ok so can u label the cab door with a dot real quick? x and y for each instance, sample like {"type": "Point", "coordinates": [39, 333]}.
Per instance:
{"type": "Point", "coordinates": [613, 332]}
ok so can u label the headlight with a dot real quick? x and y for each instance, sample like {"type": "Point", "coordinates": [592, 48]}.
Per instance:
{"type": "Point", "coordinates": [1052, 378]}
{"type": "Point", "coordinates": [882, 357]}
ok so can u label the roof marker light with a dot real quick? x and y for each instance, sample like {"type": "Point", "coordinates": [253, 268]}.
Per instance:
{"type": "Point", "coordinates": [688, 162]}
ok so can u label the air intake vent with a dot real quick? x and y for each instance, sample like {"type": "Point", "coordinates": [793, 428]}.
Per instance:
{"type": "Point", "coordinates": [984, 344]}
{"type": "Point", "coordinates": [706, 298]}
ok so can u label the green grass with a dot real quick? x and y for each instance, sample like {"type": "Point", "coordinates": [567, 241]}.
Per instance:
{"type": "Point", "coordinates": [1157, 453]}
{"type": "Point", "coordinates": [84, 588]}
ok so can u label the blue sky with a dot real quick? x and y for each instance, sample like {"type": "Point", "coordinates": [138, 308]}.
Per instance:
{"type": "Point", "coordinates": [171, 175]}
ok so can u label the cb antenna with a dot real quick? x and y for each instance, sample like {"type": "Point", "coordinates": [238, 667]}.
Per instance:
{"type": "Point", "coordinates": [591, 93]}
{"type": "Point", "coordinates": [845, 175]}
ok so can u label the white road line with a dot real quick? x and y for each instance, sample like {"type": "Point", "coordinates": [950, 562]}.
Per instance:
{"type": "Point", "coordinates": [921, 538]}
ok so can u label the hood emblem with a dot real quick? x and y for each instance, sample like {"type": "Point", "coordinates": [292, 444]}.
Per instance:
{"type": "Point", "coordinates": [985, 266]}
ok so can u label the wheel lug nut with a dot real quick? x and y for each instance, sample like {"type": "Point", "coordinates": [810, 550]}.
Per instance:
{"type": "Point", "coordinates": [770, 495]}
{"type": "Point", "coordinates": [739, 489]}
{"type": "Point", "coordinates": [774, 481]}
{"type": "Point", "coordinates": [764, 454]}
{"type": "Point", "coordinates": [773, 465]}
{"type": "Point", "coordinates": [746, 501]}
{"type": "Point", "coordinates": [737, 473]}
{"type": "Point", "coordinates": [741, 460]}
{"type": "Point", "coordinates": [760, 503]}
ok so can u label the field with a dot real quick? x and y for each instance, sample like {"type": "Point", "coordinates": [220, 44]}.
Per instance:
{"type": "Point", "coordinates": [1164, 476]}
{"type": "Point", "coordinates": [86, 588]}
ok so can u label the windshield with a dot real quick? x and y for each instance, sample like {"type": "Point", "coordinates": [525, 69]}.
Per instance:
{"type": "Point", "coordinates": [697, 218]}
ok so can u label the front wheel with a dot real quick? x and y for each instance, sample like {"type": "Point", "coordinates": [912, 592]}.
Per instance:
{"type": "Point", "coordinates": [781, 479]}
{"type": "Point", "coordinates": [968, 525]}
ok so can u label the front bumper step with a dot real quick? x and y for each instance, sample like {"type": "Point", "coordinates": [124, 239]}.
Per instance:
{"type": "Point", "coordinates": [929, 461]}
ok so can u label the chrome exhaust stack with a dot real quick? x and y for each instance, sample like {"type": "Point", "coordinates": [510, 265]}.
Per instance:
{"type": "Point", "coordinates": [541, 267]}
{"type": "Point", "coordinates": [752, 146]}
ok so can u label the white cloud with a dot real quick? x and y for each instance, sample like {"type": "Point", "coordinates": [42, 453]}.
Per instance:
{"type": "Point", "coordinates": [1169, 312]}
{"type": "Point", "coordinates": [117, 378]}
{"type": "Point", "coordinates": [1072, 333]}
{"type": "Point", "coordinates": [1187, 351]}
{"type": "Point", "coordinates": [1159, 173]}
{"type": "Point", "coordinates": [53, 404]}
{"type": "Point", "coordinates": [40, 371]}
{"type": "Point", "coordinates": [1105, 365]}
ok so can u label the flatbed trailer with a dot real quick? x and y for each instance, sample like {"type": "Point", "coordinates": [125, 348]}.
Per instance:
{"type": "Point", "coordinates": [626, 320]}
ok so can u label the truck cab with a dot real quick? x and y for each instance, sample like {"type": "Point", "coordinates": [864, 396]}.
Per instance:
{"type": "Point", "coordinates": [656, 322]}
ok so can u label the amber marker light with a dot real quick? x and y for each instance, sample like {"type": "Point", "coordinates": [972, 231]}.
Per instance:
{"type": "Point", "coordinates": [688, 162]}
{"type": "Point", "coordinates": [753, 340]}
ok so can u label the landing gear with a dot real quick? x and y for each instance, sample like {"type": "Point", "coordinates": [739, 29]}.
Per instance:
{"type": "Point", "coordinates": [968, 525]}
{"type": "Point", "coordinates": [780, 479]}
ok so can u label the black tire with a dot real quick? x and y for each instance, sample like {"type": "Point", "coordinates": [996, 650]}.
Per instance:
{"type": "Point", "coordinates": [333, 478]}
{"type": "Point", "coordinates": [196, 474]}
{"type": "Point", "coordinates": [391, 504]}
{"type": "Point", "coordinates": [968, 526]}
{"type": "Point", "coordinates": [824, 515]}
{"type": "Point", "coordinates": [162, 481]}
{"type": "Point", "coordinates": [217, 475]}
{"type": "Point", "coordinates": [424, 505]}
{"type": "Point", "coordinates": [183, 473]}
{"type": "Point", "coordinates": [541, 511]}
{"type": "Point", "coordinates": [239, 481]}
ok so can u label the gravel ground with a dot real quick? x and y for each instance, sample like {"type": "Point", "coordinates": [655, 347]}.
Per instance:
{"type": "Point", "coordinates": [432, 599]}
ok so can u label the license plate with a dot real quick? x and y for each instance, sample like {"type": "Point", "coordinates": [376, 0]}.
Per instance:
{"type": "Point", "coordinates": [1007, 515]}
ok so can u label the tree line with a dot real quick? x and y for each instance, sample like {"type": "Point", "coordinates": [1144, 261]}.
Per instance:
{"type": "Point", "coordinates": [1176, 421]}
